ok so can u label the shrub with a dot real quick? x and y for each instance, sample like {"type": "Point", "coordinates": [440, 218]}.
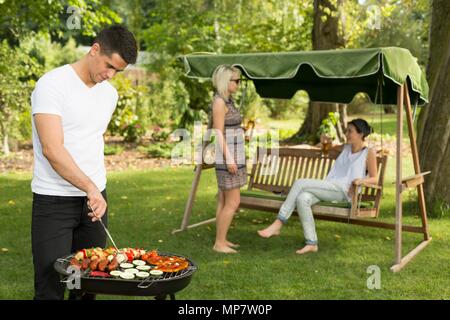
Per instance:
{"type": "Point", "coordinates": [112, 150]}
{"type": "Point", "coordinates": [130, 118]}
{"type": "Point", "coordinates": [159, 150]}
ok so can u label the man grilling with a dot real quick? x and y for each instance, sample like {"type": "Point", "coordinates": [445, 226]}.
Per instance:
{"type": "Point", "coordinates": [71, 108]}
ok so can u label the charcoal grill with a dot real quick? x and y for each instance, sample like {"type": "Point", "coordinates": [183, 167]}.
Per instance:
{"type": "Point", "coordinates": [157, 286]}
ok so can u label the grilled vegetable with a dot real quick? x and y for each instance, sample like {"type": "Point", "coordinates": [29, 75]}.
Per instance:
{"type": "Point", "coordinates": [142, 275]}
{"type": "Point", "coordinates": [132, 270]}
{"type": "Point", "coordinates": [115, 273]}
{"type": "Point", "coordinates": [156, 272]}
{"type": "Point", "coordinates": [143, 268]}
{"type": "Point", "coordinates": [127, 275]}
{"type": "Point", "coordinates": [139, 263]}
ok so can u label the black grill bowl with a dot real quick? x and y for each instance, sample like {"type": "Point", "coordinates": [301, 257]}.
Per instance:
{"type": "Point", "coordinates": [167, 284]}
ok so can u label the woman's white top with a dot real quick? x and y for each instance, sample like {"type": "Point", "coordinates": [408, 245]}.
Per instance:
{"type": "Point", "coordinates": [348, 167]}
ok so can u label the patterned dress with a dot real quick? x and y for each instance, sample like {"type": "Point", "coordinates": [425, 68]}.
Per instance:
{"type": "Point", "coordinates": [234, 136]}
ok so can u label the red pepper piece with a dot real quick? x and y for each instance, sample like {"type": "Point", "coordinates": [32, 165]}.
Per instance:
{"type": "Point", "coordinates": [100, 274]}
{"type": "Point", "coordinates": [130, 256]}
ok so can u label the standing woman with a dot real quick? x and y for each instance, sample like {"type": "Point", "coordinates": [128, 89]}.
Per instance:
{"type": "Point", "coordinates": [230, 164]}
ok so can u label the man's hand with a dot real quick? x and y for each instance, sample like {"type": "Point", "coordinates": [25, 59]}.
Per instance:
{"type": "Point", "coordinates": [97, 204]}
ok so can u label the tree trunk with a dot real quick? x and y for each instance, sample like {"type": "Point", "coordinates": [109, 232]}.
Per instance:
{"type": "Point", "coordinates": [4, 133]}
{"type": "Point", "coordinates": [343, 119]}
{"type": "Point", "coordinates": [327, 33]}
{"type": "Point", "coordinates": [434, 119]}
{"type": "Point", "coordinates": [389, 109]}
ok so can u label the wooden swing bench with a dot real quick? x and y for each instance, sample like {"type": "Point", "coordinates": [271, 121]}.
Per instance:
{"type": "Point", "coordinates": [275, 170]}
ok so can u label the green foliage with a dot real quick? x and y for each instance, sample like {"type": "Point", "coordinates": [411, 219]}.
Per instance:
{"type": "Point", "coordinates": [26, 51]}
{"type": "Point", "coordinates": [403, 23]}
{"type": "Point", "coordinates": [283, 109]}
{"type": "Point", "coordinates": [160, 134]}
{"type": "Point", "coordinates": [113, 149]}
{"type": "Point", "coordinates": [169, 100]}
{"type": "Point", "coordinates": [130, 119]}
{"type": "Point", "coordinates": [159, 150]}
{"type": "Point", "coordinates": [440, 208]}
{"type": "Point", "coordinates": [22, 17]}
{"type": "Point", "coordinates": [328, 126]}
{"type": "Point", "coordinates": [18, 72]}
{"type": "Point", "coordinates": [360, 104]}
{"type": "Point", "coordinates": [183, 27]}
{"type": "Point", "coordinates": [50, 54]}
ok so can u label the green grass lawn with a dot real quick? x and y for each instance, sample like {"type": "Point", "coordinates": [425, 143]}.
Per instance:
{"type": "Point", "coordinates": [145, 206]}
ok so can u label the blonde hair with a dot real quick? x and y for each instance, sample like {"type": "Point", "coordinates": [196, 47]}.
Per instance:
{"type": "Point", "coordinates": [222, 76]}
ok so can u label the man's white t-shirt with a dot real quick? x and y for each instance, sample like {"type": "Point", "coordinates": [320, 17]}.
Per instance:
{"type": "Point", "coordinates": [85, 113]}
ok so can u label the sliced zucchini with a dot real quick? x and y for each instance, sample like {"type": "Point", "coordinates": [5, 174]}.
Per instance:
{"type": "Point", "coordinates": [126, 265]}
{"type": "Point", "coordinates": [132, 270]}
{"type": "Point", "coordinates": [116, 273]}
{"type": "Point", "coordinates": [139, 263]}
{"type": "Point", "coordinates": [127, 275]}
{"type": "Point", "coordinates": [142, 275]}
{"type": "Point", "coordinates": [143, 268]}
{"type": "Point", "coordinates": [156, 272]}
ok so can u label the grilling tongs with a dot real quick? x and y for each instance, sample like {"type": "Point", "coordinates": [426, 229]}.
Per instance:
{"type": "Point", "coordinates": [106, 230]}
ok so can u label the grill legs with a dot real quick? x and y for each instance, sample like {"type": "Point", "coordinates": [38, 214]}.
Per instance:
{"type": "Point", "coordinates": [164, 297]}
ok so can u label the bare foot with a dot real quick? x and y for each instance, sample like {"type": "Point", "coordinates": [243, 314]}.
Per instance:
{"type": "Point", "coordinates": [232, 245]}
{"type": "Point", "coordinates": [223, 249]}
{"type": "Point", "coordinates": [308, 248]}
{"type": "Point", "coordinates": [272, 230]}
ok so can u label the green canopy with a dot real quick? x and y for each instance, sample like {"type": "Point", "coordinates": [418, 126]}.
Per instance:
{"type": "Point", "coordinates": [328, 75]}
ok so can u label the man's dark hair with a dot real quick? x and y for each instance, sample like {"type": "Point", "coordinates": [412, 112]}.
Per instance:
{"type": "Point", "coordinates": [117, 39]}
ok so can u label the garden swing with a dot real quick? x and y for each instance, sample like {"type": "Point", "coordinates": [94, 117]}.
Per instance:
{"type": "Point", "coordinates": [328, 76]}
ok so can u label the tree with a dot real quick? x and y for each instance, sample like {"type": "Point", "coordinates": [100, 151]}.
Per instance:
{"type": "Point", "coordinates": [24, 18]}
{"type": "Point", "coordinates": [434, 119]}
{"type": "Point", "coordinates": [16, 81]}
{"type": "Point", "coordinates": [327, 33]}
{"type": "Point", "coordinates": [220, 26]}
{"type": "Point", "coordinates": [21, 17]}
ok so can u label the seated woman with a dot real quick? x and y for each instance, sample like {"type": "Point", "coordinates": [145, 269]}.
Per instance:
{"type": "Point", "coordinates": [348, 171]}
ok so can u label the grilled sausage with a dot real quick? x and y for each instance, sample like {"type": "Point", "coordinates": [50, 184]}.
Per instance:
{"type": "Point", "coordinates": [113, 265]}
{"type": "Point", "coordinates": [85, 263]}
{"type": "Point", "coordinates": [102, 264]}
{"type": "Point", "coordinates": [93, 265]}
{"type": "Point", "coordinates": [75, 262]}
